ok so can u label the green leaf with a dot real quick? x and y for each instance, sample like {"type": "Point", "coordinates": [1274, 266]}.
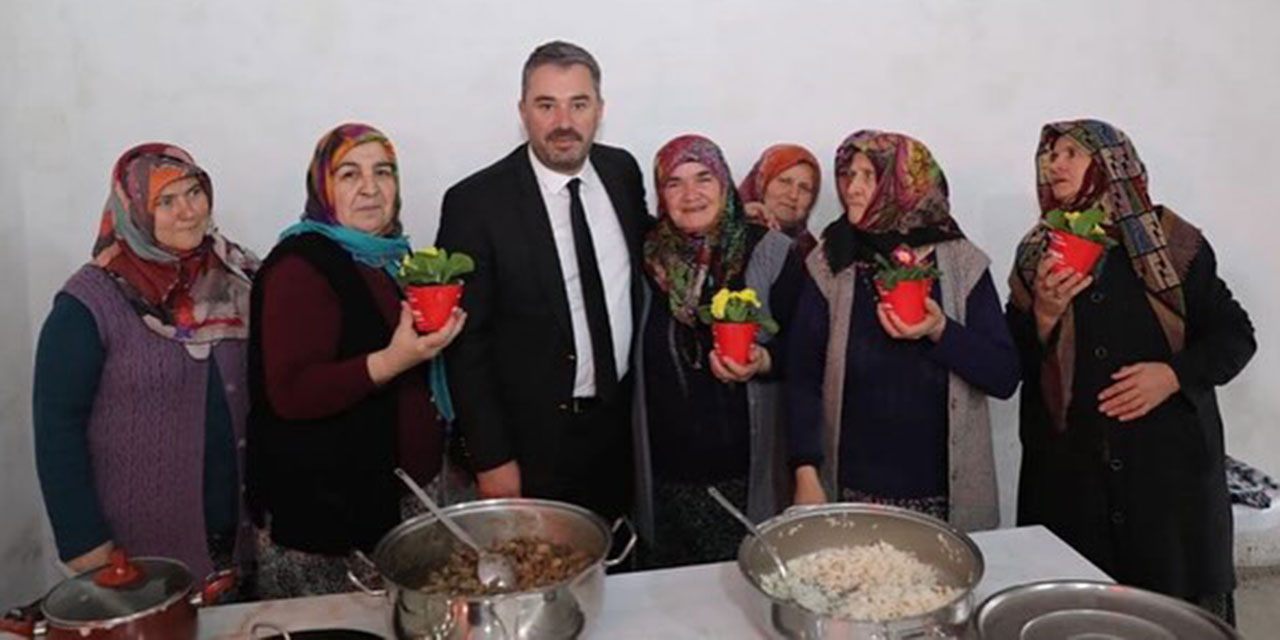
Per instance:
{"type": "Point", "coordinates": [704, 314]}
{"type": "Point", "coordinates": [422, 269]}
{"type": "Point", "coordinates": [1056, 219]}
{"type": "Point", "coordinates": [457, 265]}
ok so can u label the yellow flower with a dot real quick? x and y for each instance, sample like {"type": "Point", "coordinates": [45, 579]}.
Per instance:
{"type": "Point", "coordinates": [1071, 216]}
{"type": "Point", "coordinates": [430, 252]}
{"type": "Point", "coordinates": [748, 296]}
{"type": "Point", "coordinates": [718, 303]}
{"type": "Point", "coordinates": [1097, 230]}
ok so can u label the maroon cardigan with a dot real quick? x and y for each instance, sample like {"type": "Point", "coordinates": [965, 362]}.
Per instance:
{"type": "Point", "coordinates": [304, 378]}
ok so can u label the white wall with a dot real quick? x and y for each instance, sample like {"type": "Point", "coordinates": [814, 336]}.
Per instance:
{"type": "Point", "coordinates": [249, 85]}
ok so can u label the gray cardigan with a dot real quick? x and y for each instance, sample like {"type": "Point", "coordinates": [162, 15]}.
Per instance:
{"type": "Point", "coordinates": [767, 481]}
{"type": "Point", "coordinates": [972, 475]}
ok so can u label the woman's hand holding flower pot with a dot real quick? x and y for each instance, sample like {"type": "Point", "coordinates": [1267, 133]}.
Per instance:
{"type": "Point", "coordinates": [934, 323]}
{"type": "Point", "coordinates": [726, 370]}
{"type": "Point", "coordinates": [1054, 292]}
{"type": "Point", "coordinates": [408, 348]}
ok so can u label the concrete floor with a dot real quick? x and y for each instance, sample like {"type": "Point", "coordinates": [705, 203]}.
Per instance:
{"type": "Point", "coordinates": [1258, 603]}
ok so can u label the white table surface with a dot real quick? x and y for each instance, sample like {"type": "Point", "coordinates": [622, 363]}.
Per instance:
{"type": "Point", "coordinates": [703, 601]}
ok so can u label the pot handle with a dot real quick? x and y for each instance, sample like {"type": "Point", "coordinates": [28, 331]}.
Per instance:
{"type": "Point", "coordinates": [631, 542]}
{"type": "Point", "coordinates": [216, 585]}
{"type": "Point", "coordinates": [267, 626]}
{"type": "Point", "coordinates": [26, 628]}
{"type": "Point", "coordinates": [27, 621]}
{"type": "Point", "coordinates": [934, 632]}
{"type": "Point", "coordinates": [493, 615]}
{"type": "Point", "coordinates": [351, 577]}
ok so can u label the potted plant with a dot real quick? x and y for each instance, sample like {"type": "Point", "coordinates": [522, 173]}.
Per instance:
{"type": "Point", "coordinates": [433, 284]}
{"type": "Point", "coordinates": [735, 317]}
{"type": "Point", "coordinates": [1077, 238]}
{"type": "Point", "coordinates": [904, 281]}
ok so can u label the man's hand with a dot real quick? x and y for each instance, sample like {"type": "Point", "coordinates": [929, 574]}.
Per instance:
{"type": "Point", "coordinates": [502, 481]}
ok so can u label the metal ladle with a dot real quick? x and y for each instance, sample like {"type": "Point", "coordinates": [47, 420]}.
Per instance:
{"type": "Point", "coordinates": [769, 549]}
{"type": "Point", "coordinates": [493, 569]}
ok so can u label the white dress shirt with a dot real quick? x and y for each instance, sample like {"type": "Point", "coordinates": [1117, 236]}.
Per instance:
{"type": "Point", "coordinates": [612, 257]}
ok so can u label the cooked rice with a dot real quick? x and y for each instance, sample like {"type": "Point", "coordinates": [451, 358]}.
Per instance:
{"type": "Point", "coordinates": [876, 582]}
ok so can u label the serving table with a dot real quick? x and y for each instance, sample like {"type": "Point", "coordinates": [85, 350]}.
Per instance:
{"type": "Point", "coordinates": [702, 601]}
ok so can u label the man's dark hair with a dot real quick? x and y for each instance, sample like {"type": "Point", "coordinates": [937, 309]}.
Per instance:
{"type": "Point", "coordinates": [562, 54]}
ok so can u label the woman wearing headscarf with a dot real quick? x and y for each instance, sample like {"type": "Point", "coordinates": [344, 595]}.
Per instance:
{"type": "Point", "coordinates": [1122, 452]}
{"type": "Point", "coordinates": [780, 191]}
{"type": "Point", "coordinates": [139, 395]}
{"type": "Point", "coordinates": [341, 394]}
{"type": "Point", "coordinates": [883, 411]}
{"type": "Point", "coordinates": [703, 419]}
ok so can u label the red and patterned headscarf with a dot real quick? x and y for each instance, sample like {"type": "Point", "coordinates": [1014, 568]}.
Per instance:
{"type": "Point", "coordinates": [775, 160]}
{"type": "Point", "coordinates": [196, 297]}
{"type": "Point", "coordinates": [690, 268]}
{"type": "Point", "coordinates": [1160, 245]}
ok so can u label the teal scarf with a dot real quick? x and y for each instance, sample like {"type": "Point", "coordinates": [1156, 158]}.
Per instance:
{"type": "Point", "coordinates": [386, 254]}
{"type": "Point", "coordinates": [374, 251]}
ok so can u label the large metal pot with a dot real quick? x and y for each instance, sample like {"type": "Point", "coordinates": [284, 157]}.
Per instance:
{"type": "Point", "coordinates": [1086, 609]}
{"type": "Point", "coordinates": [803, 530]}
{"type": "Point", "coordinates": [408, 553]}
{"type": "Point", "coordinates": [158, 601]}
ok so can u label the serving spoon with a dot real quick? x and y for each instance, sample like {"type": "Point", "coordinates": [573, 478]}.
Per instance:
{"type": "Point", "coordinates": [493, 569]}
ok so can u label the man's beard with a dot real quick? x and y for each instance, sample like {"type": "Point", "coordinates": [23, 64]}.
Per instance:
{"type": "Point", "coordinates": [569, 161]}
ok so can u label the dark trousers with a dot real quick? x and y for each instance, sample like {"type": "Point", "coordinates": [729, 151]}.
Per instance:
{"type": "Point", "coordinates": [586, 457]}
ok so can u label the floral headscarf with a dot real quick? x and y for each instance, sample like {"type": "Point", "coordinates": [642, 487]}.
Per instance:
{"type": "Point", "coordinates": [909, 206]}
{"type": "Point", "coordinates": [690, 268]}
{"type": "Point", "coordinates": [319, 216]}
{"type": "Point", "coordinates": [197, 297]}
{"type": "Point", "coordinates": [1116, 182]}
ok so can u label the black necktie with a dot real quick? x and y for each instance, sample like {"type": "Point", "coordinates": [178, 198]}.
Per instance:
{"type": "Point", "coordinates": [592, 295]}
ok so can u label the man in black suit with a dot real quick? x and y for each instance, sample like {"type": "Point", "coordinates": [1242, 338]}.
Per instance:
{"type": "Point", "coordinates": [540, 377]}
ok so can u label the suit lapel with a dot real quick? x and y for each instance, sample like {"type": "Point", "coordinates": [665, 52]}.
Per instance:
{"type": "Point", "coordinates": [542, 244]}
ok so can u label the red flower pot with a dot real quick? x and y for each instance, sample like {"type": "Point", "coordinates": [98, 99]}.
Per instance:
{"type": "Point", "coordinates": [1073, 251]}
{"type": "Point", "coordinates": [907, 299]}
{"type": "Point", "coordinates": [433, 303]}
{"type": "Point", "coordinates": [733, 339]}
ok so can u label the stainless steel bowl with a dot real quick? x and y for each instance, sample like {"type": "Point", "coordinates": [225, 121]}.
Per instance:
{"type": "Point", "coordinates": [1066, 609]}
{"type": "Point", "coordinates": [407, 554]}
{"type": "Point", "coordinates": [804, 530]}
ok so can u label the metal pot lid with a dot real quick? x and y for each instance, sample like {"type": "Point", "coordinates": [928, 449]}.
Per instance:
{"type": "Point", "coordinates": [80, 600]}
{"type": "Point", "coordinates": [1086, 610]}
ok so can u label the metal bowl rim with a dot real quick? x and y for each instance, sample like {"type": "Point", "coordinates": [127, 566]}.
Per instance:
{"type": "Point", "coordinates": [793, 514]}
{"type": "Point", "coordinates": [499, 504]}
{"type": "Point", "coordinates": [999, 597]}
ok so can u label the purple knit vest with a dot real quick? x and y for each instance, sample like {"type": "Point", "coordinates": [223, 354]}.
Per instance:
{"type": "Point", "coordinates": [146, 431]}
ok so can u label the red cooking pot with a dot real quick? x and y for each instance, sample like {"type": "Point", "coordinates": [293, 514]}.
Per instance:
{"type": "Point", "coordinates": [133, 598]}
